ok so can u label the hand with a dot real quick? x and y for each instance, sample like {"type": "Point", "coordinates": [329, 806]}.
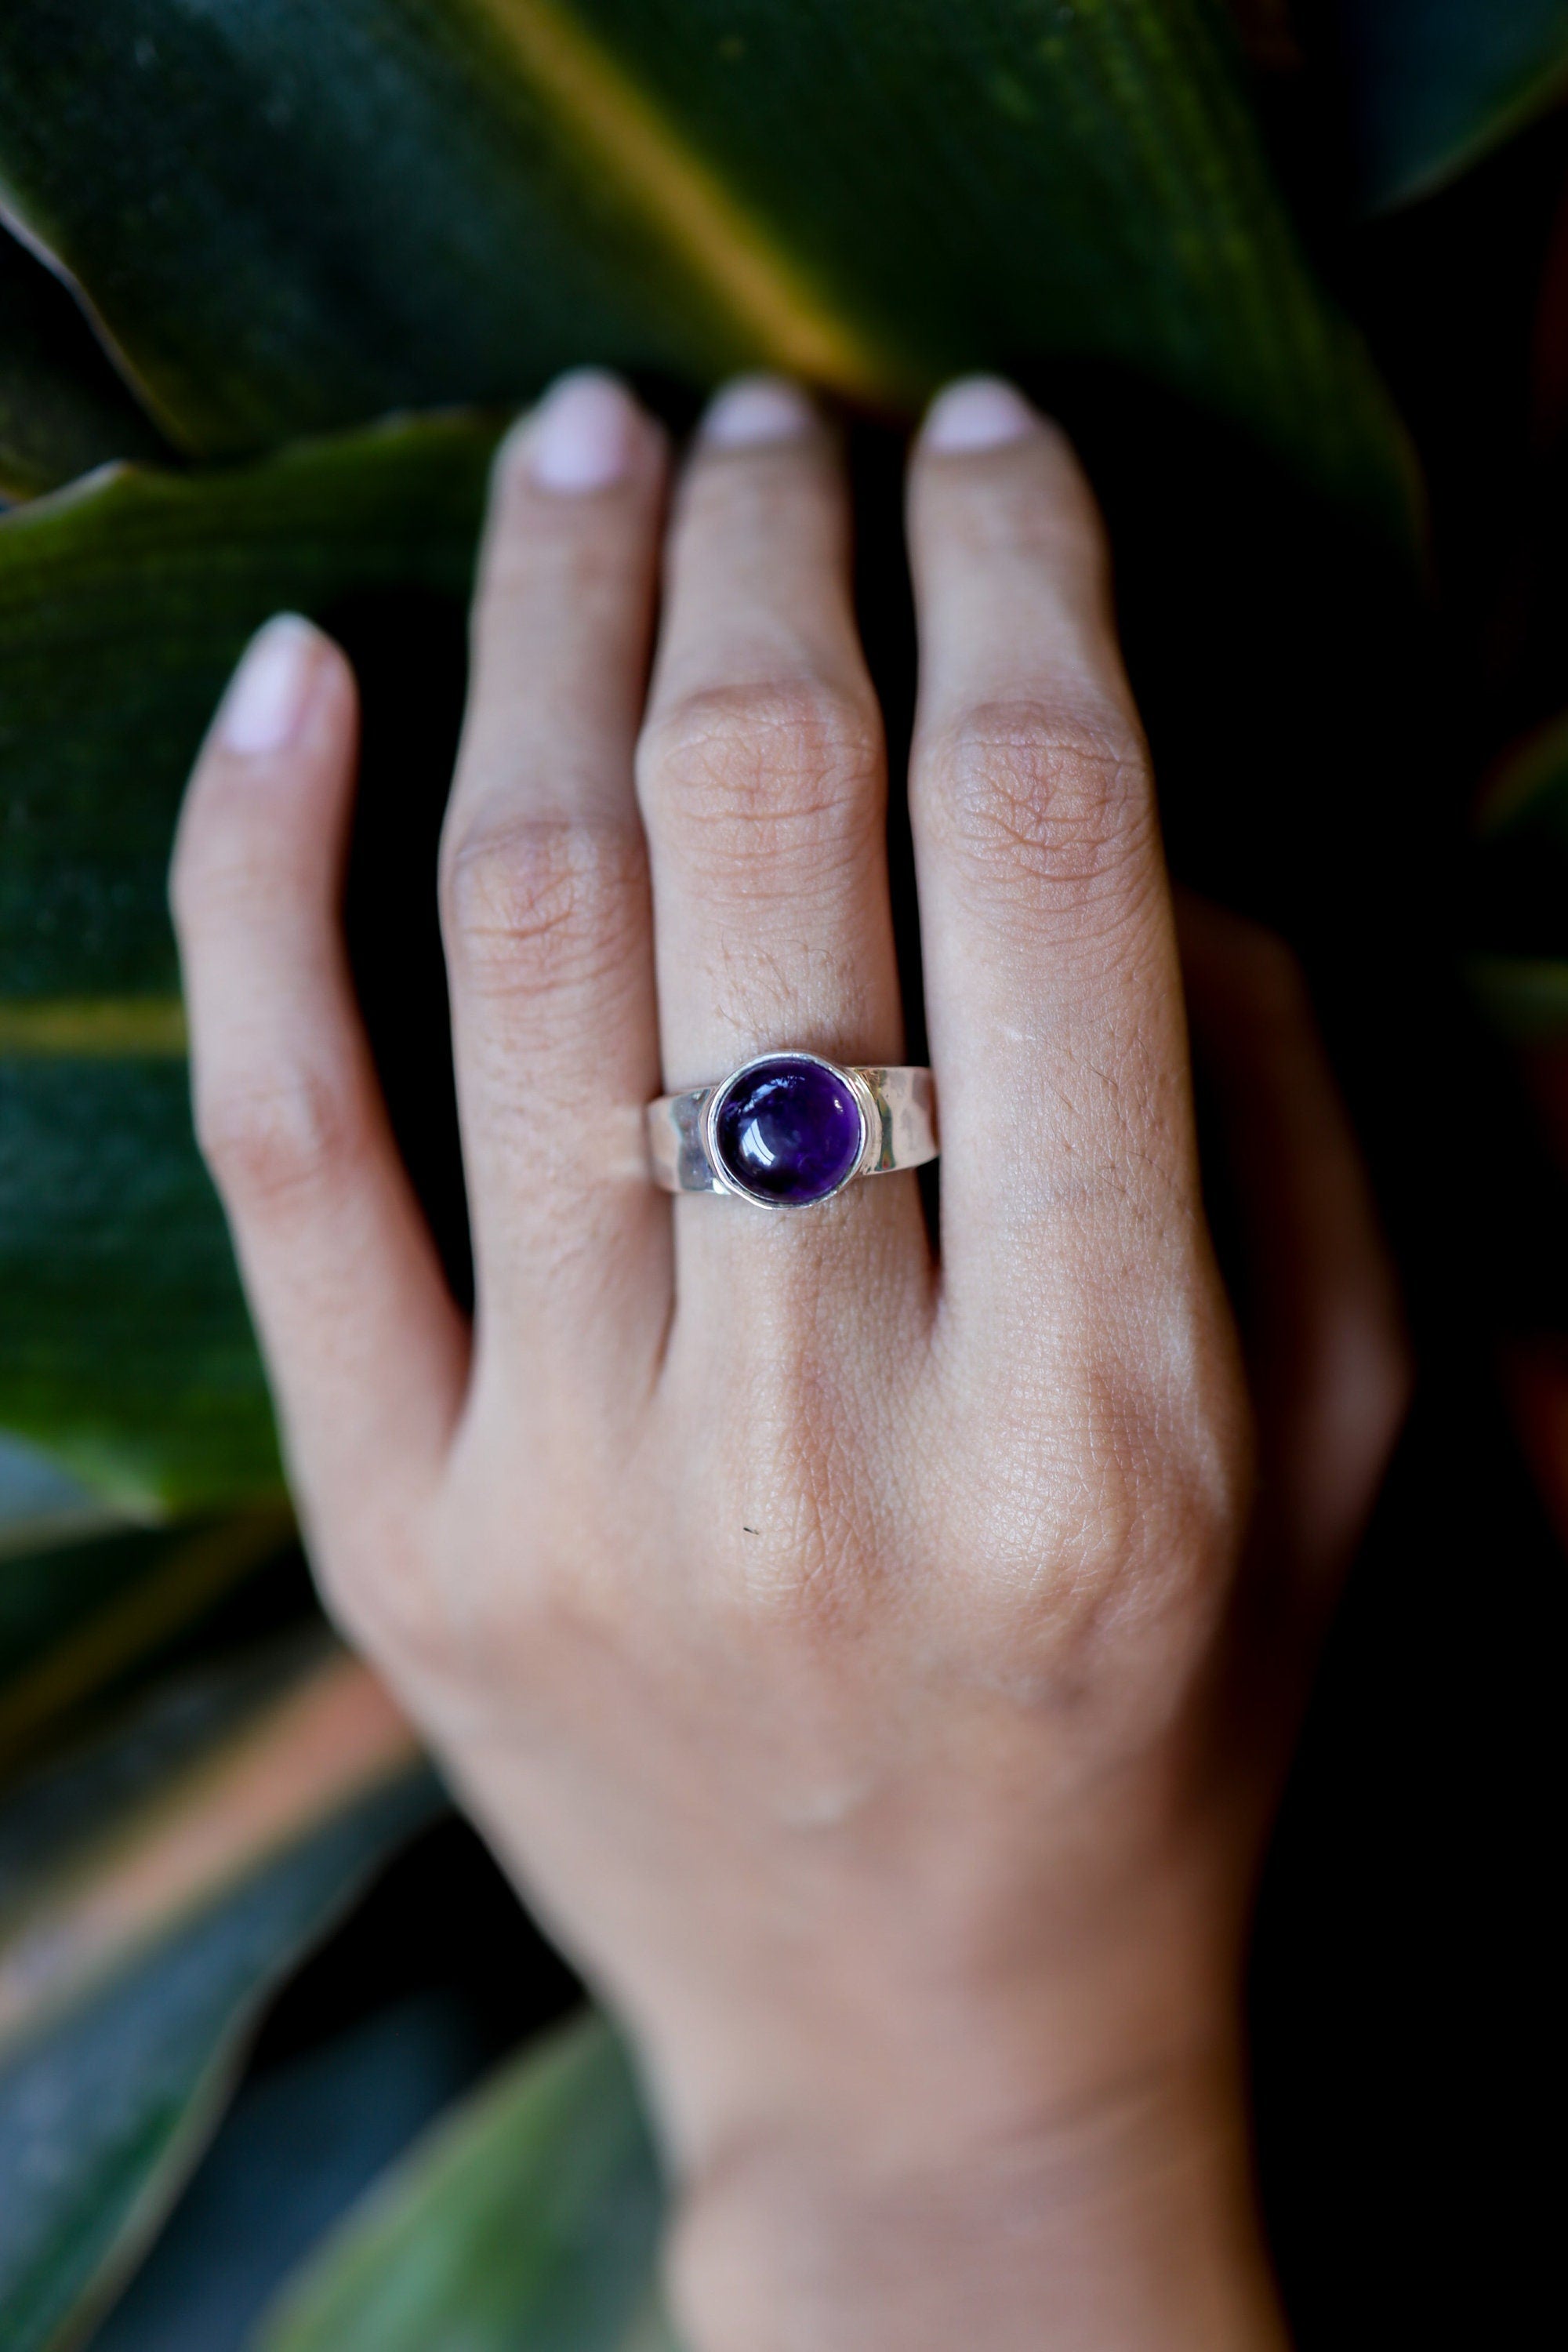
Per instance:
{"type": "Point", "coordinates": [877, 1667]}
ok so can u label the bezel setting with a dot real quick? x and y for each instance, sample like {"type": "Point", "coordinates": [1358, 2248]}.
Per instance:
{"type": "Point", "coordinates": [864, 1157]}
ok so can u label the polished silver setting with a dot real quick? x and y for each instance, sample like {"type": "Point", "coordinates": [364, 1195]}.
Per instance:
{"type": "Point", "coordinates": [897, 1128]}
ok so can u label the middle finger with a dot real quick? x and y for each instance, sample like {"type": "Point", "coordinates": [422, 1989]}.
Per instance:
{"type": "Point", "coordinates": [763, 781]}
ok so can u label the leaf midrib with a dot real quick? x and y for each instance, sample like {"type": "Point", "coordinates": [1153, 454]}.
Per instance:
{"type": "Point", "coordinates": [627, 136]}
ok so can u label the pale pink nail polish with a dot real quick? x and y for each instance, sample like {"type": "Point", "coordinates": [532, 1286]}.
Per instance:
{"type": "Point", "coordinates": [580, 435]}
{"type": "Point", "coordinates": [979, 412]}
{"type": "Point", "coordinates": [756, 411]}
{"type": "Point", "coordinates": [267, 696]}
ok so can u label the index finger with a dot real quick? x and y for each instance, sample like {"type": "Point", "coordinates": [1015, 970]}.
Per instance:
{"type": "Point", "coordinates": [1052, 988]}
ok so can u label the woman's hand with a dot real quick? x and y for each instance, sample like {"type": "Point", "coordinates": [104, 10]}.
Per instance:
{"type": "Point", "coordinates": [877, 1668]}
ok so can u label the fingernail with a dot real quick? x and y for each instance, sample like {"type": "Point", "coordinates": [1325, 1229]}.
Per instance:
{"type": "Point", "coordinates": [267, 694]}
{"type": "Point", "coordinates": [754, 411]}
{"type": "Point", "coordinates": [979, 412]}
{"type": "Point", "coordinates": [580, 435]}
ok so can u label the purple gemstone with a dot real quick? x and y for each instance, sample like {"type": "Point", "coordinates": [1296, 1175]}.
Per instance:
{"type": "Point", "coordinates": [788, 1130]}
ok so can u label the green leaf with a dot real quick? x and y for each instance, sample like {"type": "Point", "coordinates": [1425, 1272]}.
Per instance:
{"type": "Point", "coordinates": [125, 1348]}
{"type": "Point", "coordinates": [40, 1503]}
{"type": "Point", "coordinates": [289, 216]}
{"type": "Point", "coordinates": [76, 1620]}
{"type": "Point", "coordinates": [530, 2223]}
{"type": "Point", "coordinates": [1434, 84]}
{"type": "Point", "coordinates": [123, 605]}
{"type": "Point", "coordinates": [125, 1343]}
{"type": "Point", "coordinates": [62, 407]}
{"type": "Point", "coordinates": [151, 1893]}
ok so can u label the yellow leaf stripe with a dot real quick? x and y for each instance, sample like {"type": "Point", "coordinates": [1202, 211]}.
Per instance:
{"type": "Point", "coordinates": [196, 1571]}
{"type": "Point", "coordinates": [94, 1027]}
{"type": "Point", "coordinates": [631, 141]}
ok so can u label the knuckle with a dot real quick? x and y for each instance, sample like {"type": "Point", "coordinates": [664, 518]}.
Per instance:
{"type": "Point", "coordinates": [1033, 797]}
{"type": "Point", "coordinates": [1119, 1495]}
{"type": "Point", "coordinates": [778, 765]}
{"type": "Point", "coordinates": [273, 1135]}
{"type": "Point", "coordinates": [540, 901]}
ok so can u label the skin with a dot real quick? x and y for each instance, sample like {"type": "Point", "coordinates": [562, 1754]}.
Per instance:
{"type": "Point", "coordinates": [877, 1665]}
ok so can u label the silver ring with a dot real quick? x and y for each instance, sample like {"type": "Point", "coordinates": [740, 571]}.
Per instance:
{"type": "Point", "coordinates": [789, 1129]}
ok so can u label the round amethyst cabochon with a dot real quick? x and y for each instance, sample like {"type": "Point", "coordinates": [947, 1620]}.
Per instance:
{"type": "Point", "coordinates": [788, 1130]}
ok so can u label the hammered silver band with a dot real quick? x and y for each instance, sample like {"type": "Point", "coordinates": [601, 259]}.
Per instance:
{"type": "Point", "coordinates": [897, 1113]}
